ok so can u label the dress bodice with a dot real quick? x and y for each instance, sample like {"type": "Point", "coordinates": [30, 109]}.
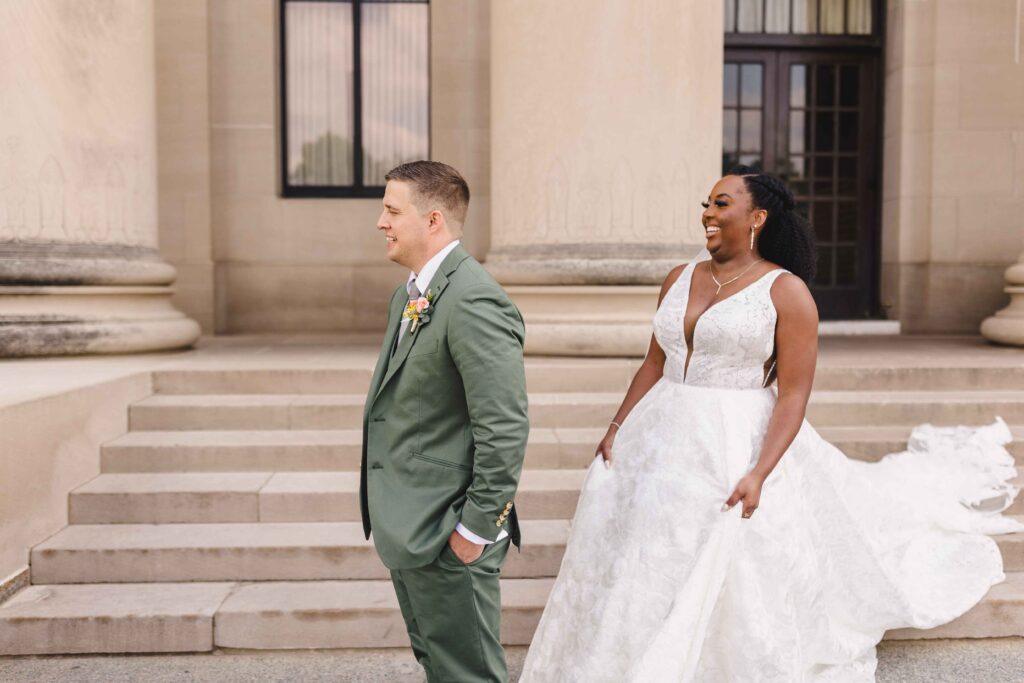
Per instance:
{"type": "Point", "coordinates": [732, 340]}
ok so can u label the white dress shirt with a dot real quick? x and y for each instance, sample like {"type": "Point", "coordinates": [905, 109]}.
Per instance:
{"type": "Point", "coordinates": [423, 279]}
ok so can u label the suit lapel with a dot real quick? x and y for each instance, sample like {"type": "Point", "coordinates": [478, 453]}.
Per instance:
{"type": "Point", "coordinates": [394, 318]}
{"type": "Point", "coordinates": [437, 286]}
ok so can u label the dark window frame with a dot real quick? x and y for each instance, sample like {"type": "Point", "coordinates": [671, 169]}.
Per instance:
{"type": "Point", "coordinates": [357, 190]}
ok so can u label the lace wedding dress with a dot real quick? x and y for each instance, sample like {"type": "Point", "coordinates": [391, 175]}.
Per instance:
{"type": "Point", "coordinates": [658, 584]}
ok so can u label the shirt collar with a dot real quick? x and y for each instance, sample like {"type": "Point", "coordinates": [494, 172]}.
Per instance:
{"type": "Point", "coordinates": [428, 271]}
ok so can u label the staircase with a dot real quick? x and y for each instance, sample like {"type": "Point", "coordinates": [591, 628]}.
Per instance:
{"type": "Point", "coordinates": [228, 516]}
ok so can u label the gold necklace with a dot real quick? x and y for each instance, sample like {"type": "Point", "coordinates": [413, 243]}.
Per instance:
{"type": "Point", "coordinates": [711, 267]}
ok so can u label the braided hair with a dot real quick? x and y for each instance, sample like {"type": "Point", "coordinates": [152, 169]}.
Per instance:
{"type": "Point", "coordinates": [786, 238]}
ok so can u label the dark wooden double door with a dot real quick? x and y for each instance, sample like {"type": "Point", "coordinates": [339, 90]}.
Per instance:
{"type": "Point", "coordinates": [813, 118]}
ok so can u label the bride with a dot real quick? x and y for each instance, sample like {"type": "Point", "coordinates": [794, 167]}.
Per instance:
{"type": "Point", "coordinates": [723, 540]}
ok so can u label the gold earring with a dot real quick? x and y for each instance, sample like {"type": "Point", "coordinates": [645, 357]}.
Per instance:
{"type": "Point", "coordinates": [752, 227]}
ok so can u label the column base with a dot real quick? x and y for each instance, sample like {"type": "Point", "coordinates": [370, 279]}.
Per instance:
{"type": "Point", "coordinates": [582, 320]}
{"type": "Point", "coordinates": [1007, 326]}
{"type": "Point", "coordinates": [72, 320]}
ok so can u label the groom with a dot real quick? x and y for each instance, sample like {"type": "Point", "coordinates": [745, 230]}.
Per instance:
{"type": "Point", "coordinates": [444, 430]}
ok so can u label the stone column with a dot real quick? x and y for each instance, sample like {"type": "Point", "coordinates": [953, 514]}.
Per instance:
{"type": "Point", "coordinates": [1007, 326]}
{"type": "Point", "coordinates": [606, 135]}
{"type": "Point", "coordinates": [79, 267]}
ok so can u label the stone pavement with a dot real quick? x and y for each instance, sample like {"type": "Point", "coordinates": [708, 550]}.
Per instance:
{"type": "Point", "coordinates": [935, 661]}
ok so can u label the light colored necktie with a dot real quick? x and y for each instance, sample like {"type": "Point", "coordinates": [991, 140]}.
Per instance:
{"type": "Point", "coordinates": [414, 294]}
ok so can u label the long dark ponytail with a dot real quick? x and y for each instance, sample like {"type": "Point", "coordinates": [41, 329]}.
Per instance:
{"type": "Point", "coordinates": [786, 238]}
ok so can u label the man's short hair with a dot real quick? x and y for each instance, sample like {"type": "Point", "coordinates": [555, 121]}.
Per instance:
{"type": "Point", "coordinates": [435, 185]}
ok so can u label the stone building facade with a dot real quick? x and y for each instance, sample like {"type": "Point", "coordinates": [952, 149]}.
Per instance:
{"type": "Point", "coordinates": [588, 133]}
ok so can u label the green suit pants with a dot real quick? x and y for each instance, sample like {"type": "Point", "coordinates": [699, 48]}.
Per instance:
{"type": "Point", "coordinates": [453, 614]}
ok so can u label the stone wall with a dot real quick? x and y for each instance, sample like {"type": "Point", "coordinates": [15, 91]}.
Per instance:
{"type": "Point", "coordinates": [953, 200]}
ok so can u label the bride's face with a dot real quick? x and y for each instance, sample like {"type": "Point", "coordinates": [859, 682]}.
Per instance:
{"type": "Point", "coordinates": [728, 215]}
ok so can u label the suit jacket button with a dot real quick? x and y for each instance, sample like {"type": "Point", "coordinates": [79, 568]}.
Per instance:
{"type": "Point", "coordinates": [498, 523]}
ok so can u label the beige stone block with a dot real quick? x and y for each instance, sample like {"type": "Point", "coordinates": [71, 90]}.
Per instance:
{"type": "Point", "coordinates": [973, 163]}
{"type": "Point", "coordinates": [991, 231]}
{"type": "Point", "coordinates": [265, 297]}
{"type": "Point", "coordinates": [460, 30]}
{"type": "Point", "coordinates": [248, 228]}
{"type": "Point", "coordinates": [947, 229]}
{"type": "Point", "coordinates": [243, 62]}
{"type": "Point", "coordinates": [336, 231]}
{"type": "Point", "coordinates": [914, 34]}
{"type": "Point", "coordinates": [970, 32]}
{"type": "Point", "coordinates": [991, 97]}
{"type": "Point", "coordinates": [193, 293]}
{"type": "Point", "coordinates": [244, 161]}
{"type": "Point", "coordinates": [372, 287]}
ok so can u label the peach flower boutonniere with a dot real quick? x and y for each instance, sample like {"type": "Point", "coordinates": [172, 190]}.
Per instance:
{"type": "Point", "coordinates": [418, 311]}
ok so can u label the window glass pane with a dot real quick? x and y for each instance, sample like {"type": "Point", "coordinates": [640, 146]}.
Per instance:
{"type": "Point", "coordinates": [318, 38]}
{"type": "Point", "coordinates": [805, 16]}
{"type": "Point", "coordinates": [846, 266]}
{"type": "Point", "coordinates": [798, 96]}
{"type": "Point", "coordinates": [825, 85]}
{"type": "Point", "coordinates": [823, 167]}
{"type": "Point", "coordinates": [752, 160]}
{"type": "Point", "coordinates": [848, 131]}
{"type": "Point", "coordinates": [395, 78]}
{"type": "Point", "coordinates": [798, 176]}
{"type": "Point", "coordinates": [849, 85]}
{"type": "Point", "coordinates": [824, 131]}
{"type": "Point", "coordinates": [824, 276]}
{"type": "Point", "coordinates": [750, 131]}
{"type": "Point", "coordinates": [730, 130]}
{"type": "Point", "coordinates": [730, 16]}
{"type": "Point", "coordinates": [846, 225]}
{"type": "Point", "coordinates": [822, 221]}
{"type": "Point", "coordinates": [751, 80]}
{"type": "Point", "coordinates": [731, 85]}
{"type": "Point", "coordinates": [847, 176]}
{"type": "Point", "coordinates": [797, 132]}
{"type": "Point", "coordinates": [749, 14]}
{"type": "Point", "coordinates": [832, 16]}
{"type": "Point", "coordinates": [729, 159]}
{"type": "Point", "coordinates": [776, 17]}
{"type": "Point", "coordinates": [858, 18]}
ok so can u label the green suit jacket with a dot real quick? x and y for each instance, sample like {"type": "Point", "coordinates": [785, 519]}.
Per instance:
{"type": "Point", "coordinates": [445, 424]}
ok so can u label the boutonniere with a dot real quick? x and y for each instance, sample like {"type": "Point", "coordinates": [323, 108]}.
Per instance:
{"type": "Point", "coordinates": [418, 311]}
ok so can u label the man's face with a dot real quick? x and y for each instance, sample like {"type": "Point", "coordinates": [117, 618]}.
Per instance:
{"type": "Point", "coordinates": [405, 230]}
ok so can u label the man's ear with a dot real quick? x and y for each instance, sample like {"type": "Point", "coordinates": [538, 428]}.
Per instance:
{"type": "Point", "coordinates": [436, 219]}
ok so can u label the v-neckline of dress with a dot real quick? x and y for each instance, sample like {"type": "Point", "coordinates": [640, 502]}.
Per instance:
{"type": "Point", "coordinates": [689, 292]}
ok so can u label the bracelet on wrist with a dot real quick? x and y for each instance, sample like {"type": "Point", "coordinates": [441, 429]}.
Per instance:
{"type": "Point", "coordinates": [616, 424]}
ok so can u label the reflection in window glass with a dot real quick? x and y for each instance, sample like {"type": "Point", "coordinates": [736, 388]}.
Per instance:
{"type": "Point", "coordinates": [395, 62]}
{"type": "Point", "coordinates": [797, 132]}
{"type": "Point", "coordinates": [776, 16]}
{"type": "Point", "coordinates": [730, 130]}
{"type": "Point", "coordinates": [750, 131]}
{"type": "Point", "coordinates": [858, 18]}
{"type": "Point", "coordinates": [751, 80]}
{"type": "Point", "coordinates": [731, 85]}
{"type": "Point", "coordinates": [832, 20]}
{"type": "Point", "coordinates": [798, 85]}
{"type": "Point", "coordinates": [749, 13]}
{"type": "Point", "coordinates": [319, 77]}
{"type": "Point", "coordinates": [805, 16]}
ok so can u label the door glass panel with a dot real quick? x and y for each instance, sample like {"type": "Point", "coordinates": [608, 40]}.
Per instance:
{"type": "Point", "coordinates": [848, 131]}
{"type": "Point", "coordinates": [824, 131]}
{"type": "Point", "coordinates": [847, 176]}
{"type": "Point", "coordinates": [798, 176]}
{"type": "Point", "coordinates": [731, 86]}
{"type": "Point", "coordinates": [752, 85]}
{"type": "Point", "coordinates": [846, 223]}
{"type": "Point", "coordinates": [797, 132]}
{"type": "Point", "coordinates": [846, 266]}
{"type": "Point", "coordinates": [750, 131]}
{"type": "Point", "coordinates": [798, 95]}
{"type": "Point", "coordinates": [824, 276]}
{"type": "Point", "coordinates": [825, 85]}
{"type": "Point", "coordinates": [822, 221]}
{"type": "Point", "coordinates": [849, 85]}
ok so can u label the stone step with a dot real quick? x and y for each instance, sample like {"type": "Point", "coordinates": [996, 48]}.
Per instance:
{"type": "Point", "coordinates": [271, 551]}
{"type": "Point", "coordinates": [299, 450]}
{"type": "Point", "coordinates": [181, 617]}
{"type": "Point", "coordinates": [561, 410]}
{"type": "Point", "coordinates": [263, 551]}
{"type": "Point", "coordinates": [174, 498]}
{"type": "Point", "coordinates": [601, 375]}
{"type": "Point", "coordinates": [200, 497]}
{"type": "Point", "coordinates": [340, 450]}
{"type": "Point", "coordinates": [111, 618]}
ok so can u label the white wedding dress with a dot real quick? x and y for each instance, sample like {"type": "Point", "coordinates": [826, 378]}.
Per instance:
{"type": "Point", "coordinates": [659, 585]}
